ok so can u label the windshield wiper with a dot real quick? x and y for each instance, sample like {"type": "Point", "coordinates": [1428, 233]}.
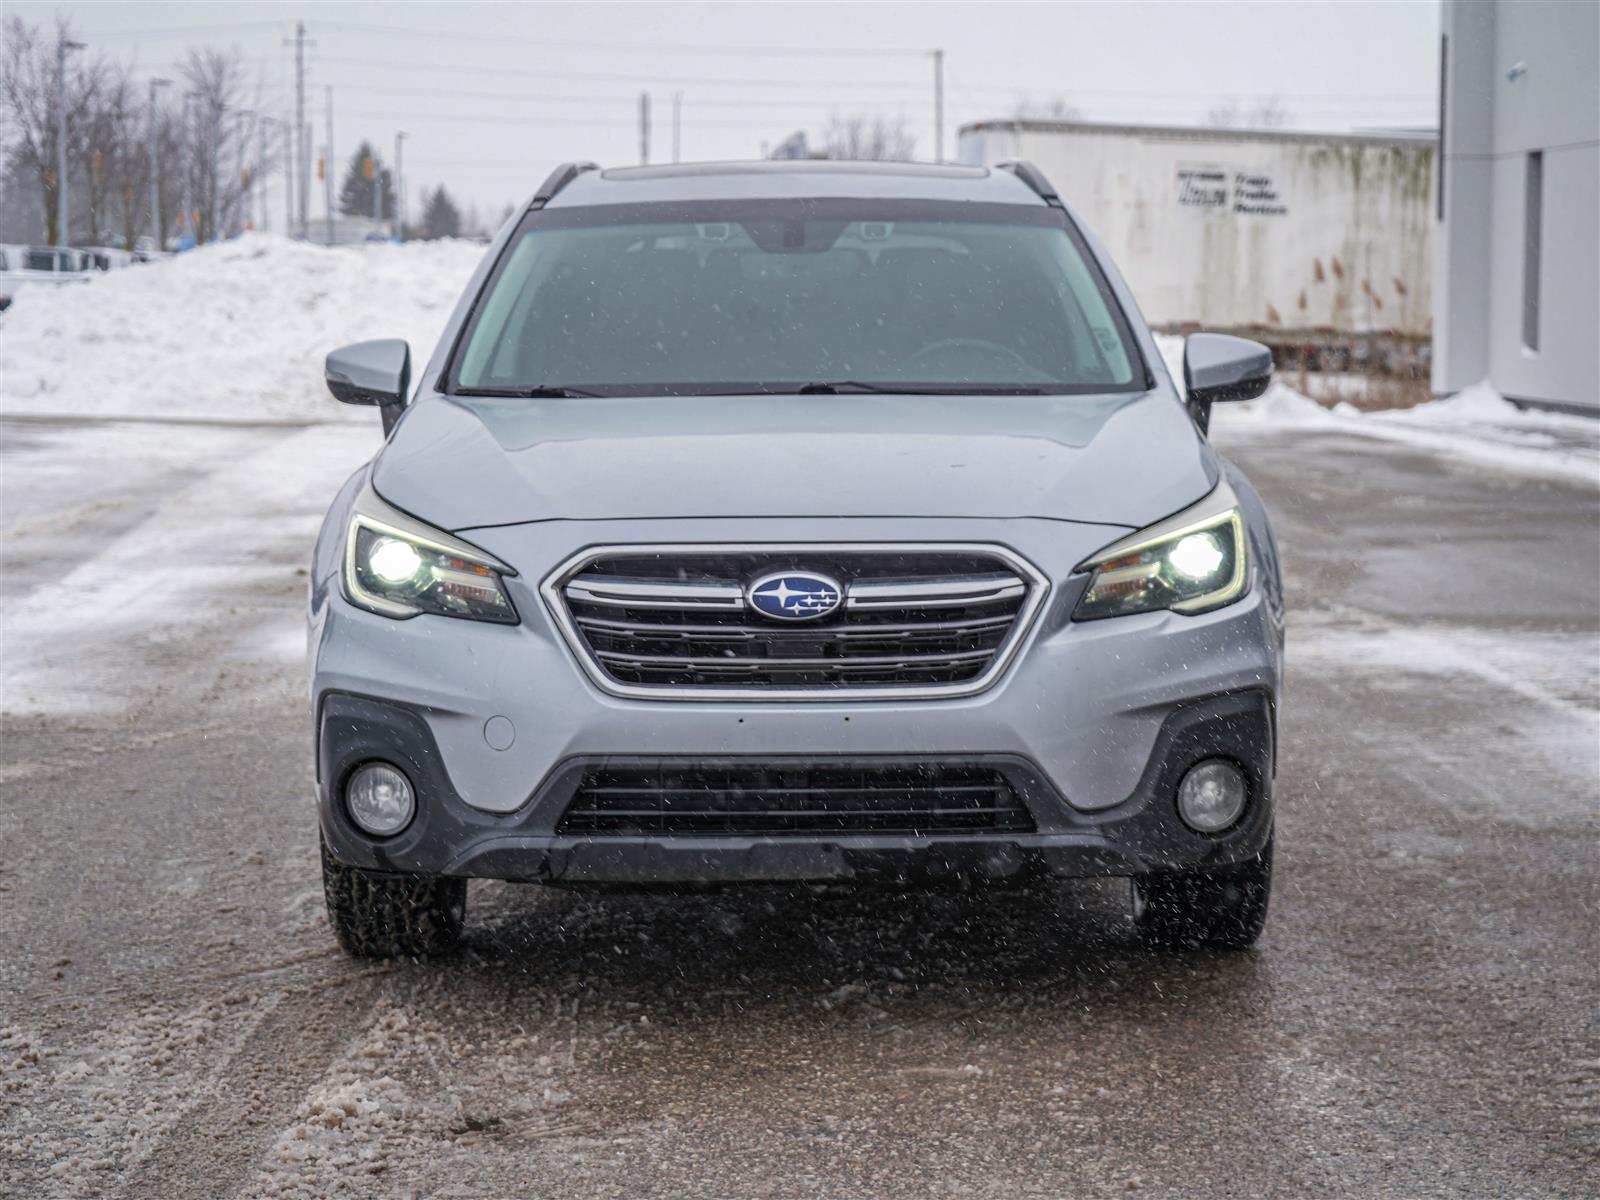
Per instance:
{"type": "Point", "coordinates": [527, 393]}
{"type": "Point", "coordinates": [842, 387]}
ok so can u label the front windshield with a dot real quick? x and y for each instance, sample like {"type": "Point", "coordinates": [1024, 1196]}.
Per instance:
{"type": "Point", "coordinates": [780, 302]}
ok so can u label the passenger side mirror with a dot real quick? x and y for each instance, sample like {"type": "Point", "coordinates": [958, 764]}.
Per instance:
{"type": "Point", "coordinates": [377, 372]}
{"type": "Point", "coordinates": [1219, 367]}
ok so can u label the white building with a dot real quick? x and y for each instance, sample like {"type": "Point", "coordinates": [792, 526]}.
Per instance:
{"type": "Point", "coordinates": [1517, 263]}
{"type": "Point", "coordinates": [1289, 236]}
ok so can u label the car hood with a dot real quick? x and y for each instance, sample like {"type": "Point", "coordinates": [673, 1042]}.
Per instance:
{"type": "Point", "coordinates": [1122, 459]}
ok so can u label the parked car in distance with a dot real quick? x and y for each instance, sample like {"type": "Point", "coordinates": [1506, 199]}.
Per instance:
{"type": "Point", "coordinates": [21, 266]}
{"type": "Point", "coordinates": [105, 258]}
{"type": "Point", "coordinates": [795, 521]}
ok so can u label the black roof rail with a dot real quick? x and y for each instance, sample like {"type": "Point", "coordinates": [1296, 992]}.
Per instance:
{"type": "Point", "coordinates": [1034, 178]}
{"type": "Point", "coordinates": [558, 179]}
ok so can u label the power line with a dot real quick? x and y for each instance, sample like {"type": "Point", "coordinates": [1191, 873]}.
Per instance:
{"type": "Point", "coordinates": [174, 31]}
{"type": "Point", "coordinates": [631, 77]}
{"type": "Point", "coordinates": [1016, 89]}
{"type": "Point", "coordinates": [568, 98]}
{"type": "Point", "coordinates": [543, 121]}
{"type": "Point", "coordinates": [645, 47]}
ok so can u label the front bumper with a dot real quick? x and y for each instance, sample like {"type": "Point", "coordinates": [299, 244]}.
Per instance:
{"type": "Point", "coordinates": [450, 837]}
{"type": "Point", "coordinates": [492, 722]}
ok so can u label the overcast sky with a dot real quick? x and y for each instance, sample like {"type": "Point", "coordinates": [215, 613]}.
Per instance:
{"type": "Point", "coordinates": [492, 95]}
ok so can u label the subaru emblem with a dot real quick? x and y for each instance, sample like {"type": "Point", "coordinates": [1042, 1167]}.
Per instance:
{"type": "Point", "coordinates": [794, 595]}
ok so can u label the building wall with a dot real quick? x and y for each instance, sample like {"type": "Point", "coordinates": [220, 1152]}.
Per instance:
{"type": "Point", "coordinates": [1520, 77]}
{"type": "Point", "coordinates": [1235, 229]}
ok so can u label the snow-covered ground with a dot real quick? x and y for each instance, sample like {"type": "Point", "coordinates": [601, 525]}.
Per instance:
{"type": "Point", "coordinates": [1477, 425]}
{"type": "Point", "coordinates": [231, 332]}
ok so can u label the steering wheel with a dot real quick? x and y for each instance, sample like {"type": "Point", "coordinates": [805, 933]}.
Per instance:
{"type": "Point", "coordinates": [981, 345]}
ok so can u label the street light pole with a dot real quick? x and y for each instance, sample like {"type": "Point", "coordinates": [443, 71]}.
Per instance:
{"type": "Point", "coordinates": [289, 160]}
{"type": "Point", "coordinates": [399, 188]}
{"type": "Point", "coordinates": [156, 229]}
{"type": "Point", "coordinates": [241, 121]}
{"type": "Point", "coordinates": [213, 198]}
{"type": "Point", "coordinates": [938, 106]}
{"type": "Point", "coordinates": [261, 171]}
{"type": "Point", "coordinates": [186, 220]}
{"type": "Point", "coordinates": [62, 47]}
{"type": "Point", "coordinates": [327, 167]}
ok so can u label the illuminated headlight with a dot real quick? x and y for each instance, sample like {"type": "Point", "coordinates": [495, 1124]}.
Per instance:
{"type": "Point", "coordinates": [1191, 562]}
{"type": "Point", "coordinates": [398, 567]}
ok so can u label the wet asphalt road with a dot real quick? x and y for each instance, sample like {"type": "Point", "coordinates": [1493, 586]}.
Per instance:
{"type": "Point", "coordinates": [1419, 1019]}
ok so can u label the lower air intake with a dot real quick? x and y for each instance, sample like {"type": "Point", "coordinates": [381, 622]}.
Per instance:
{"type": "Point", "coordinates": [774, 800]}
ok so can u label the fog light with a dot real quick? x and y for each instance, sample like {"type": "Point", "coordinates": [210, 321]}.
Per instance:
{"type": "Point", "coordinates": [1212, 795]}
{"type": "Point", "coordinates": [380, 800]}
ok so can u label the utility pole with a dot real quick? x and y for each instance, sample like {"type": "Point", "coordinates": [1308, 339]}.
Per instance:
{"type": "Point", "coordinates": [214, 161]}
{"type": "Point", "coordinates": [644, 129]}
{"type": "Point", "coordinates": [938, 106]}
{"type": "Point", "coordinates": [186, 219]}
{"type": "Point", "coordinates": [261, 170]}
{"type": "Point", "coordinates": [399, 189]}
{"type": "Point", "coordinates": [288, 178]}
{"type": "Point", "coordinates": [240, 122]}
{"type": "Point", "coordinates": [677, 125]}
{"type": "Point", "coordinates": [299, 160]}
{"type": "Point", "coordinates": [305, 166]}
{"type": "Point", "coordinates": [155, 167]}
{"type": "Point", "coordinates": [327, 170]}
{"type": "Point", "coordinates": [62, 46]}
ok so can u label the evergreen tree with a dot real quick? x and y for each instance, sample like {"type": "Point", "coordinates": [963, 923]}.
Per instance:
{"type": "Point", "coordinates": [355, 194]}
{"type": "Point", "coordinates": [440, 216]}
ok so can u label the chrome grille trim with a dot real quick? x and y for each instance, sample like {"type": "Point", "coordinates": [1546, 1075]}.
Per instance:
{"type": "Point", "coordinates": [651, 593]}
{"type": "Point", "coordinates": [1024, 584]}
{"type": "Point", "coordinates": [941, 593]}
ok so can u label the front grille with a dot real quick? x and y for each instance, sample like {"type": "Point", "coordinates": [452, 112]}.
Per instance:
{"type": "Point", "coordinates": [772, 800]}
{"type": "Point", "coordinates": [677, 619]}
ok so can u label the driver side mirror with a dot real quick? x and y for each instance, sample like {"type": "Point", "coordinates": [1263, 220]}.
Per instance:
{"type": "Point", "coordinates": [376, 372]}
{"type": "Point", "coordinates": [1219, 367]}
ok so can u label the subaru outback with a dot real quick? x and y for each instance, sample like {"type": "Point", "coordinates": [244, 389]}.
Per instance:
{"type": "Point", "coordinates": [784, 522]}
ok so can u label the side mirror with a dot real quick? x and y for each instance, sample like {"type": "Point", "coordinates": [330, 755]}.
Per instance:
{"type": "Point", "coordinates": [1219, 367]}
{"type": "Point", "coordinates": [371, 373]}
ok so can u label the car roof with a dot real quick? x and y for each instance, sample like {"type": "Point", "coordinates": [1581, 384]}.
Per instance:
{"type": "Point", "coordinates": [792, 179]}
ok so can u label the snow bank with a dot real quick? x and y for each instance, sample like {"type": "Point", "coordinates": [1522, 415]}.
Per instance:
{"type": "Point", "coordinates": [1476, 425]}
{"type": "Point", "coordinates": [232, 331]}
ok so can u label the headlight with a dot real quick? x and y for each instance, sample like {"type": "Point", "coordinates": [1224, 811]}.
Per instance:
{"type": "Point", "coordinates": [1191, 562]}
{"type": "Point", "coordinates": [397, 566]}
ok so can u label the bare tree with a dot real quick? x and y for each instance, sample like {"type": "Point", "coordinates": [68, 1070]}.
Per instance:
{"type": "Point", "coordinates": [21, 219]}
{"type": "Point", "coordinates": [1053, 108]}
{"type": "Point", "coordinates": [28, 114]}
{"type": "Point", "coordinates": [868, 136]}
{"type": "Point", "coordinates": [215, 80]}
{"type": "Point", "coordinates": [1265, 113]}
{"type": "Point", "coordinates": [110, 138]}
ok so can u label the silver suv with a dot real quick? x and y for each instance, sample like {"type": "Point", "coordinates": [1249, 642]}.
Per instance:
{"type": "Point", "coordinates": [795, 521]}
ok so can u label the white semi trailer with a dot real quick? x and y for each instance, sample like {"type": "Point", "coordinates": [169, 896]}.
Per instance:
{"type": "Point", "coordinates": [1320, 240]}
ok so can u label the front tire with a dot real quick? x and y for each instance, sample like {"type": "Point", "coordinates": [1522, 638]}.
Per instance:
{"type": "Point", "coordinates": [1223, 908]}
{"type": "Point", "coordinates": [375, 914]}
